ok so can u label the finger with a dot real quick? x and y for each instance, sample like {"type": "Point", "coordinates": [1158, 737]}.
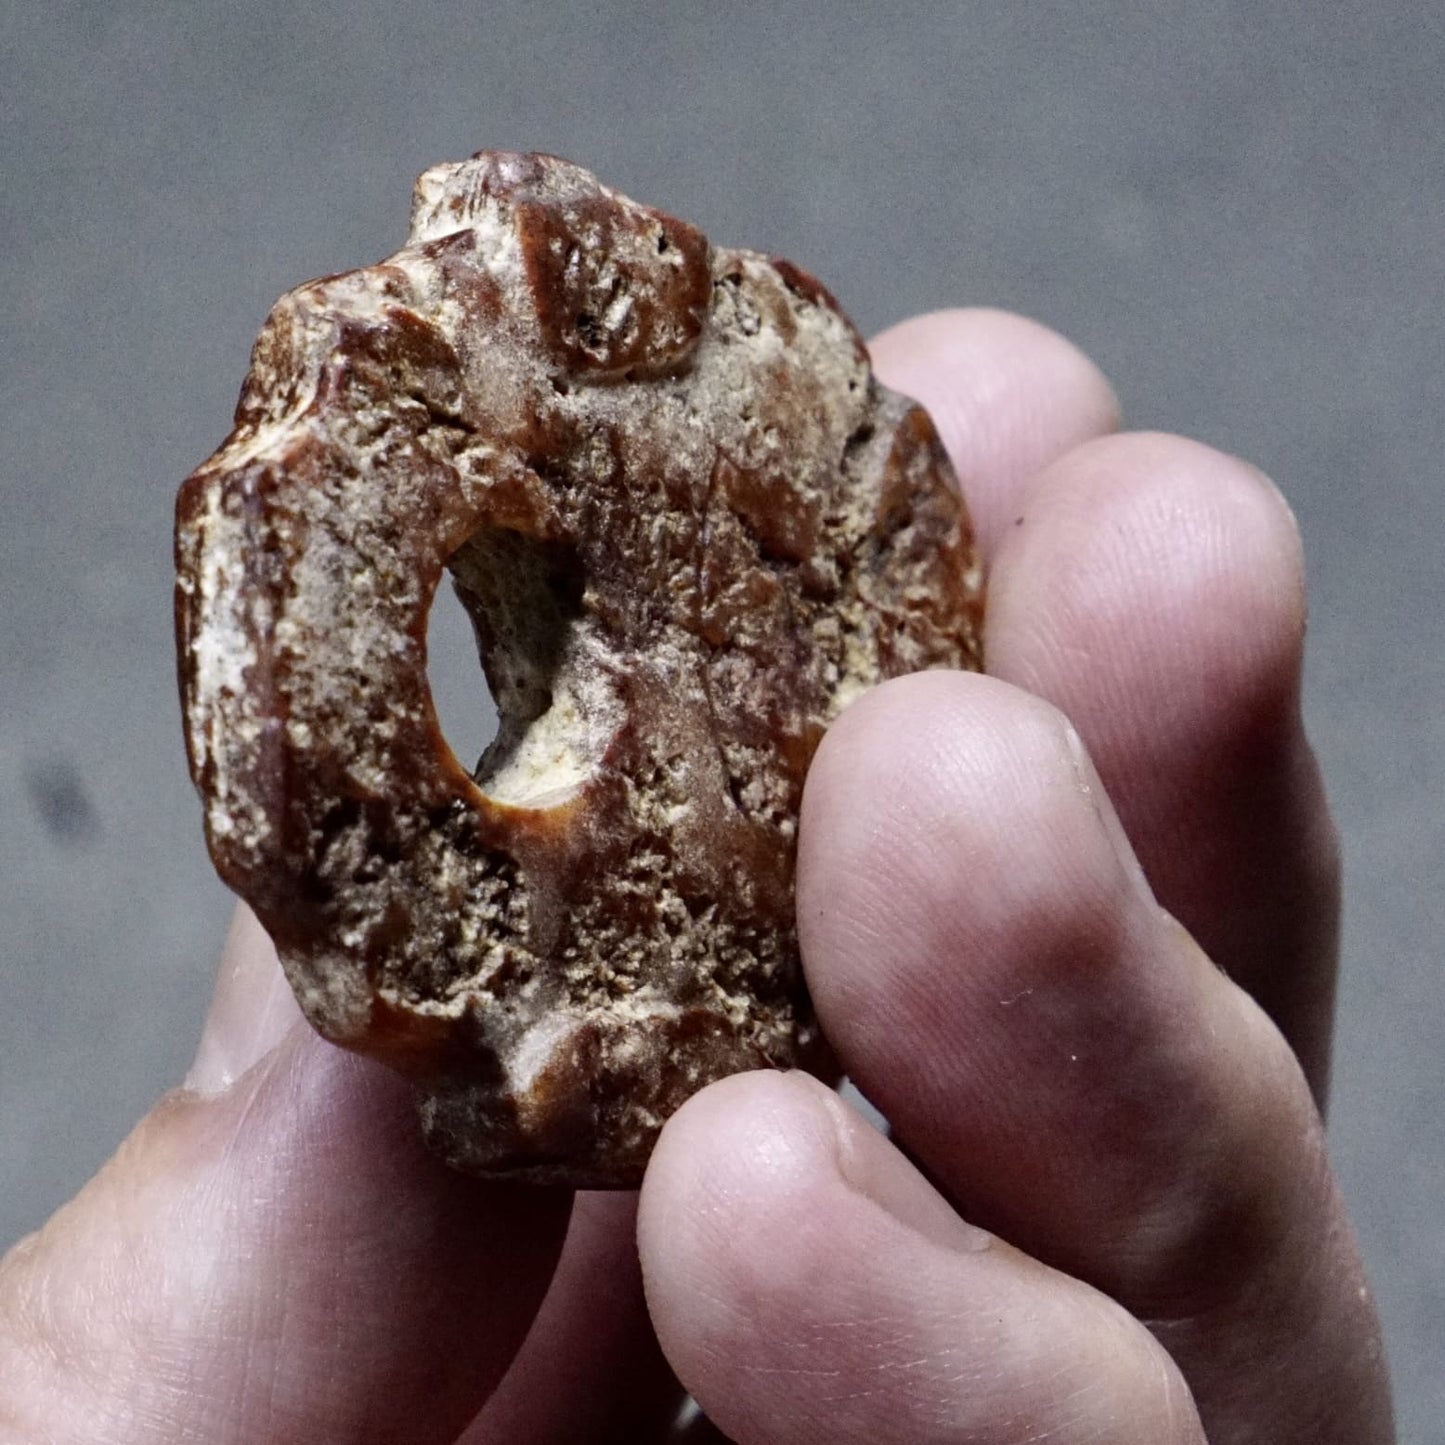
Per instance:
{"type": "Point", "coordinates": [590, 1353]}
{"type": "Point", "coordinates": [278, 1260]}
{"type": "Point", "coordinates": [809, 1285]}
{"type": "Point", "coordinates": [993, 970]}
{"type": "Point", "coordinates": [1008, 396]}
{"type": "Point", "coordinates": [252, 1009]}
{"type": "Point", "coordinates": [591, 1367]}
{"type": "Point", "coordinates": [1154, 591]}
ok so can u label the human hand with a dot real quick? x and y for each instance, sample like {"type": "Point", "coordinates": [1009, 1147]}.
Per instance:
{"type": "Point", "coordinates": [272, 1257]}
{"type": "Point", "coordinates": [982, 912]}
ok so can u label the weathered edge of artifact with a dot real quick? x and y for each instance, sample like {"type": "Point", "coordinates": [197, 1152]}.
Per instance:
{"type": "Point", "coordinates": [689, 527]}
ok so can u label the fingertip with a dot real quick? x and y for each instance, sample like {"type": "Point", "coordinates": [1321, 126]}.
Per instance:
{"type": "Point", "coordinates": [761, 1135]}
{"type": "Point", "coordinates": [769, 1143]}
{"type": "Point", "coordinates": [807, 1282]}
{"type": "Point", "coordinates": [1151, 570]}
{"type": "Point", "coordinates": [948, 815]}
{"type": "Point", "coordinates": [251, 1011]}
{"type": "Point", "coordinates": [726, 1204]}
{"type": "Point", "coordinates": [1007, 394]}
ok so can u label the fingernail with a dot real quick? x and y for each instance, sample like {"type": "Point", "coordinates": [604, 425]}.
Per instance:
{"type": "Point", "coordinates": [251, 1011]}
{"type": "Point", "coordinates": [871, 1166]}
{"type": "Point", "coordinates": [1092, 787]}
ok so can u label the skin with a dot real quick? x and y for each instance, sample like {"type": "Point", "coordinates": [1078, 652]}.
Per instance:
{"type": "Point", "coordinates": [1071, 926]}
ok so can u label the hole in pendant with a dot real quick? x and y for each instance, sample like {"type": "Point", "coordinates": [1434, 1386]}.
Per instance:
{"type": "Point", "coordinates": [464, 704]}
{"type": "Point", "coordinates": [554, 713]}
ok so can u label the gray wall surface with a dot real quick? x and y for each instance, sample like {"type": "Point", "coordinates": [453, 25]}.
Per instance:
{"type": "Point", "coordinates": [1238, 209]}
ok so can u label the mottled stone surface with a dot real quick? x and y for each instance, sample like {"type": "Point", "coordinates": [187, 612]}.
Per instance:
{"type": "Point", "coordinates": [689, 527]}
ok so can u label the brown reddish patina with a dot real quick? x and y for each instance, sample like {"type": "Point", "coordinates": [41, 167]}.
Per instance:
{"type": "Point", "coordinates": [689, 527]}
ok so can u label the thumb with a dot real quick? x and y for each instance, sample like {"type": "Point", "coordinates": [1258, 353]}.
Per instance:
{"type": "Point", "coordinates": [271, 1255]}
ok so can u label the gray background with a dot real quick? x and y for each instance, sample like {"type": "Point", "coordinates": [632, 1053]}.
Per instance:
{"type": "Point", "coordinates": [1239, 210]}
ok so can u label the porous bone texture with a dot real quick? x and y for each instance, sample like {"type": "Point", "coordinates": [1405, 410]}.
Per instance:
{"type": "Point", "coordinates": [689, 527]}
